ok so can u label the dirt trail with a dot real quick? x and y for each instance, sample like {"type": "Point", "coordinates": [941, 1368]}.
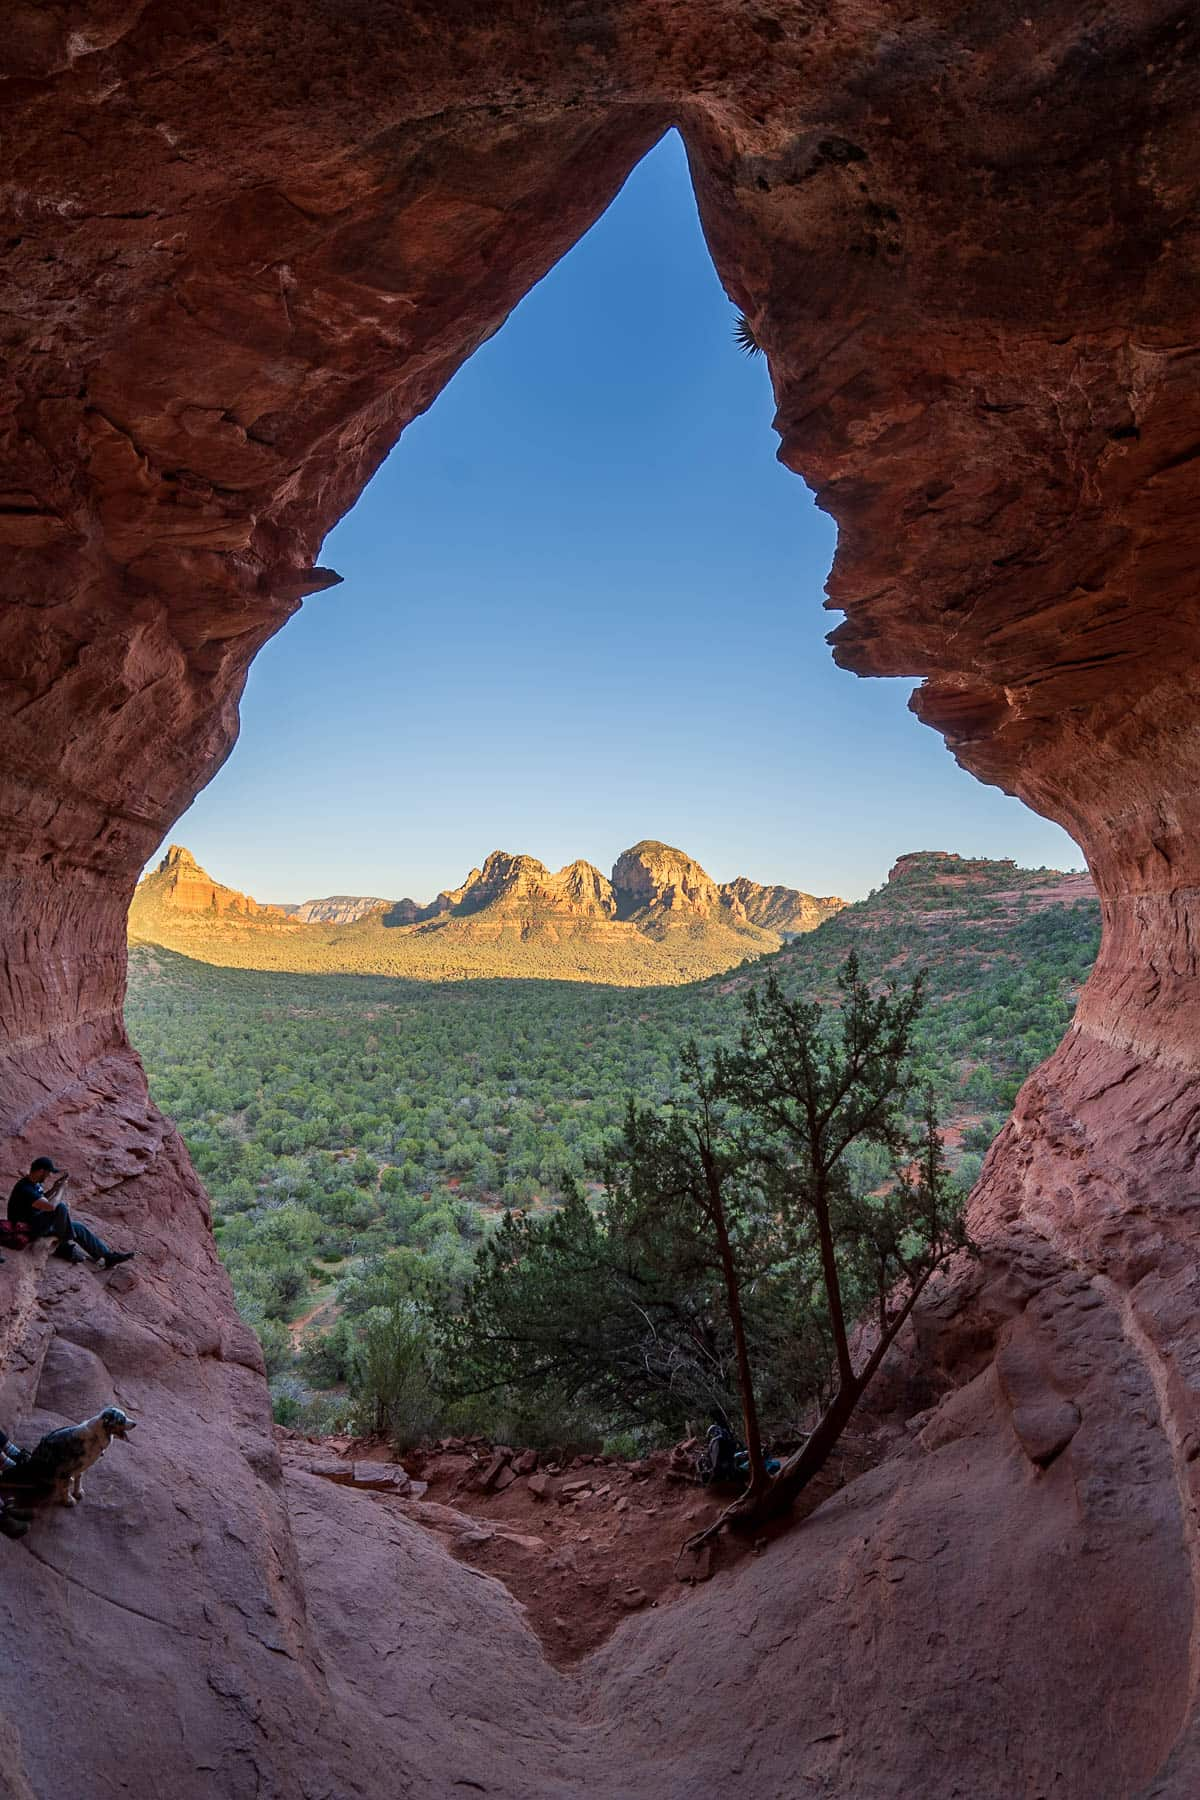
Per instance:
{"type": "Point", "coordinates": [581, 1545]}
{"type": "Point", "coordinates": [298, 1327]}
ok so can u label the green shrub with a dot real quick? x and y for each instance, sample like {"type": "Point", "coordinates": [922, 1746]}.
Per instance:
{"type": "Point", "coordinates": [289, 1396]}
{"type": "Point", "coordinates": [276, 1343]}
{"type": "Point", "coordinates": [391, 1380]}
{"type": "Point", "coordinates": [967, 1172]}
{"type": "Point", "coordinates": [293, 1403]}
{"type": "Point", "coordinates": [623, 1444]}
{"type": "Point", "coordinates": [325, 1357]}
{"type": "Point", "coordinates": [325, 1415]}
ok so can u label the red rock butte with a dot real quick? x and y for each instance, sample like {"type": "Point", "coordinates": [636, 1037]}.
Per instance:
{"type": "Point", "coordinates": [243, 247]}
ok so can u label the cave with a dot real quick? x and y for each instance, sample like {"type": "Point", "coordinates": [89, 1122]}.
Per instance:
{"type": "Point", "coordinates": [243, 249]}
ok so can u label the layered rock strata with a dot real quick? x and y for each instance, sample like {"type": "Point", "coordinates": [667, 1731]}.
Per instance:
{"type": "Point", "coordinates": [662, 920]}
{"type": "Point", "coordinates": [243, 247]}
{"type": "Point", "coordinates": [182, 885]}
{"type": "Point", "coordinates": [776, 908]}
{"type": "Point", "coordinates": [338, 909]}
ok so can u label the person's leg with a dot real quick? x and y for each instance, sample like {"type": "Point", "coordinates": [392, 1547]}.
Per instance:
{"type": "Point", "coordinates": [97, 1249]}
{"type": "Point", "coordinates": [87, 1240]}
{"type": "Point", "coordinates": [52, 1224]}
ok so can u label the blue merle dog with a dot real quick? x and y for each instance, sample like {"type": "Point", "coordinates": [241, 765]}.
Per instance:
{"type": "Point", "coordinates": [59, 1462]}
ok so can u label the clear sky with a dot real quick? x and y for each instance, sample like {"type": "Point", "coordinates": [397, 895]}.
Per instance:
{"type": "Point", "coordinates": [582, 606]}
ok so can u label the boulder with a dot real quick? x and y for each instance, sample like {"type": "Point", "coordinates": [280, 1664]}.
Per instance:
{"type": "Point", "coordinates": [382, 1478]}
{"type": "Point", "coordinates": [489, 1473]}
{"type": "Point", "coordinates": [332, 1468]}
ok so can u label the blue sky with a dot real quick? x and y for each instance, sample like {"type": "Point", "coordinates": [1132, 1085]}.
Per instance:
{"type": "Point", "coordinates": [582, 606]}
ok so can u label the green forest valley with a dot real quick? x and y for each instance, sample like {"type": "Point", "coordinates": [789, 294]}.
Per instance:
{"type": "Point", "coordinates": [362, 1136]}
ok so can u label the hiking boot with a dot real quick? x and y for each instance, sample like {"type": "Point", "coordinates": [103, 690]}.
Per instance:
{"type": "Point", "coordinates": [69, 1253]}
{"type": "Point", "coordinates": [113, 1257]}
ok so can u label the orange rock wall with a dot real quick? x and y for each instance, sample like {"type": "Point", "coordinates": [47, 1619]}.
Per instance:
{"type": "Point", "coordinates": [243, 247]}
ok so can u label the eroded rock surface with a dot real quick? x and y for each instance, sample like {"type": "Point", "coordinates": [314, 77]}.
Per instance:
{"type": "Point", "coordinates": [181, 884]}
{"type": "Point", "coordinates": [668, 922]}
{"type": "Point", "coordinates": [243, 247]}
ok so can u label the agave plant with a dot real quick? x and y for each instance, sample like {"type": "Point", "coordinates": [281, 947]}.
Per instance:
{"type": "Point", "coordinates": [744, 338]}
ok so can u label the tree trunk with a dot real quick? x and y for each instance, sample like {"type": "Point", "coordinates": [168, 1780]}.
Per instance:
{"type": "Point", "coordinates": [833, 1290]}
{"type": "Point", "coordinates": [754, 1450]}
{"type": "Point", "coordinates": [753, 1510]}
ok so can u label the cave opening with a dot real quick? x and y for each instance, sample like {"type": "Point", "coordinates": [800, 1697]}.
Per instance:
{"type": "Point", "coordinates": [582, 605]}
{"type": "Point", "coordinates": [500, 631]}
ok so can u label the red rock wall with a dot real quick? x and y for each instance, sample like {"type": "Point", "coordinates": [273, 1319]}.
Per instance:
{"type": "Point", "coordinates": [242, 248]}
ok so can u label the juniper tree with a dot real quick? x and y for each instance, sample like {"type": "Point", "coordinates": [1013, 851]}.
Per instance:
{"type": "Point", "coordinates": [737, 1248]}
{"type": "Point", "coordinates": [636, 1308]}
{"type": "Point", "coordinates": [562, 1305]}
{"type": "Point", "coordinates": [691, 1177]}
{"type": "Point", "coordinates": [816, 1082]}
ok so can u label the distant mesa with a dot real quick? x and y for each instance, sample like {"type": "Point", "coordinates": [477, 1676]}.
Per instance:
{"type": "Point", "coordinates": [942, 865]}
{"type": "Point", "coordinates": [338, 909]}
{"type": "Point", "coordinates": [780, 909]}
{"type": "Point", "coordinates": [943, 869]}
{"type": "Point", "coordinates": [660, 919]}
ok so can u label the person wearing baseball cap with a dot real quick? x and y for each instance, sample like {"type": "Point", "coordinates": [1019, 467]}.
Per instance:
{"type": "Point", "coordinates": [37, 1212]}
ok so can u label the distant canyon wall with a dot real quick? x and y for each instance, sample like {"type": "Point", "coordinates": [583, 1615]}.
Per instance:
{"type": "Point", "coordinates": [661, 920]}
{"type": "Point", "coordinates": [243, 248]}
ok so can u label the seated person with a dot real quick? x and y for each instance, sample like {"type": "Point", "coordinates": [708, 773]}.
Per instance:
{"type": "Point", "coordinates": [14, 1518]}
{"type": "Point", "coordinates": [41, 1215]}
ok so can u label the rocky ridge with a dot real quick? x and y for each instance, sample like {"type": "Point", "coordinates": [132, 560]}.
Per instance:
{"type": "Point", "coordinates": [779, 909]}
{"type": "Point", "coordinates": [337, 909]}
{"type": "Point", "coordinates": [660, 918]}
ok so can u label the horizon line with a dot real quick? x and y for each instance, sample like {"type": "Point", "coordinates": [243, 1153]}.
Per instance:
{"type": "Point", "coordinates": [154, 865]}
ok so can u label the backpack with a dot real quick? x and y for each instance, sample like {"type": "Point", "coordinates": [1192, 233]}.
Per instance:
{"type": "Point", "coordinates": [14, 1236]}
{"type": "Point", "coordinates": [718, 1459]}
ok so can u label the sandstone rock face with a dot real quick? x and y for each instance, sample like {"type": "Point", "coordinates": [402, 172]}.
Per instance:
{"type": "Point", "coordinates": [659, 887]}
{"type": "Point", "coordinates": [781, 909]}
{"type": "Point", "coordinates": [339, 909]}
{"type": "Point", "coordinates": [243, 248]}
{"type": "Point", "coordinates": [507, 881]}
{"type": "Point", "coordinates": [512, 917]}
{"type": "Point", "coordinates": [652, 880]}
{"type": "Point", "coordinates": [583, 886]}
{"type": "Point", "coordinates": [181, 885]}
{"type": "Point", "coordinates": [656, 884]}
